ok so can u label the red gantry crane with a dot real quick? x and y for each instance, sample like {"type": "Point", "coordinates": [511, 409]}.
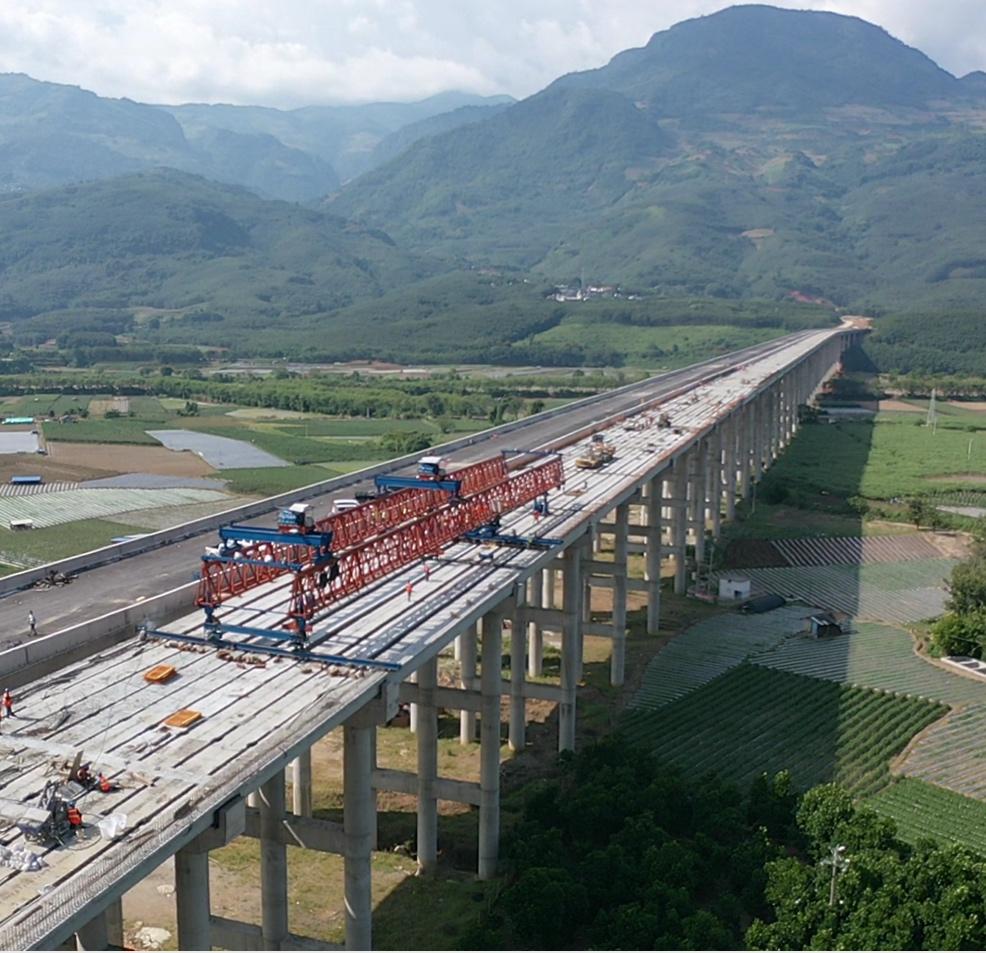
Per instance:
{"type": "Point", "coordinates": [330, 559]}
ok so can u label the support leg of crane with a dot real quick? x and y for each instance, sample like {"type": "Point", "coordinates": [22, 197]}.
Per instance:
{"type": "Point", "coordinates": [618, 657]}
{"type": "Point", "coordinates": [192, 899]}
{"type": "Point", "coordinates": [427, 767]}
{"type": "Point", "coordinates": [535, 638]}
{"type": "Point", "coordinates": [571, 636]}
{"type": "Point", "coordinates": [301, 784]}
{"type": "Point", "coordinates": [467, 681]}
{"type": "Point", "coordinates": [489, 758]}
{"type": "Point", "coordinates": [518, 709]}
{"type": "Point", "coordinates": [273, 864]}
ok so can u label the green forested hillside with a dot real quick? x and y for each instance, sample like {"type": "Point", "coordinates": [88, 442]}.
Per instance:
{"type": "Point", "coordinates": [173, 241]}
{"type": "Point", "coordinates": [754, 153]}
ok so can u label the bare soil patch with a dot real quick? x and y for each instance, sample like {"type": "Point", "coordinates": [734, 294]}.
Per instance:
{"type": "Point", "coordinates": [968, 404]}
{"type": "Point", "coordinates": [99, 408]}
{"type": "Point", "coordinates": [901, 406]}
{"type": "Point", "coordinates": [105, 459]}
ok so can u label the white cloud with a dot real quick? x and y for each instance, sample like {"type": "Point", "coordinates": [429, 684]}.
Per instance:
{"type": "Point", "coordinates": [294, 52]}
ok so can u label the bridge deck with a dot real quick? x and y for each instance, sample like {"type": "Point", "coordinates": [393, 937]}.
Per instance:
{"type": "Point", "coordinates": [259, 715]}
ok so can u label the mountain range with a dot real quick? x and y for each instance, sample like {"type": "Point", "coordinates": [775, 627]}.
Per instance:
{"type": "Point", "coordinates": [754, 154]}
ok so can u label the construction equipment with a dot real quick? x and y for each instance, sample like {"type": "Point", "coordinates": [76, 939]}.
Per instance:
{"type": "Point", "coordinates": [598, 453]}
{"type": "Point", "coordinates": [664, 421]}
{"type": "Point", "coordinates": [50, 822]}
{"type": "Point", "coordinates": [343, 553]}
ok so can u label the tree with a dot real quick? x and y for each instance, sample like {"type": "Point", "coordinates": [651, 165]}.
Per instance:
{"type": "Point", "coordinates": [967, 586]}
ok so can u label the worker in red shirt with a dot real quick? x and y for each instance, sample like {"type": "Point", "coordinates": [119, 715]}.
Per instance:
{"type": "Point", "coordinates": [8, 702]}
{"type": "Point", "coordinates": [74, 817]}
{"type": "Point", "coordinates": [105, 784]}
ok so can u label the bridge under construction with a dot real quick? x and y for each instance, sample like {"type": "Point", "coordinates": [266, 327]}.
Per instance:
{"type": "Point", "coordinates": [293, 631]}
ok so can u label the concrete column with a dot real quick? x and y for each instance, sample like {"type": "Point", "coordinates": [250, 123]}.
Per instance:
{"type": "Point", "coordinates": [301, 784]}
{"type": "Point", "coordinates": [652, 572]}
{"type": "Point", "coordinates": [715, 480]}
{"type": "Point", "coordinates": [427, 767]}
{"type": "Point", "coordinates": [535, 638]}
{"type": "Point", "coordinates": [273, 864]}
{"type": "Point", "coordinates": [617, 661]}
{"type": "Point", "coordinates": [571, 637]}
{"type": "Point", "coordinates": [679, 526]}
{"type": "Point", "coordinates": [518, 710]}
{"type": "Point", "coordinates": [489, 757]}
{"type": "Point", "coordinates": [374, 841]}
{"type": "Point", "coordinates": [743, 451]}
{"type": "Point", "coordinates": [94, 935]}
{"type": "Point", "coordinates": [412, 710]}
{"type": "Point", "coordinates": [697, 497]}
{"type": "Point", "coordinates": [358, 831]}
{"type": "Point", "coordinates": [467, 680]}
{"type": "Point", "coordinates": [731, 454]}
{"type": "Point", "coordinates": [114, 922]}
{"type": "Point", "coordinates": [192, 899]}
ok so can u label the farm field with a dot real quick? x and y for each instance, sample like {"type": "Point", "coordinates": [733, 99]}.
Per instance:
{"type": "Point", "coordinates": [706, 650]}
{"type": "Point", "coordinates": [754, 719]}
{"type": "Point", "coordinates": [873, 656]}
{"type": "Point", "coordinates": [21, 550]}
{"type": "Point", "coordinates": [925, 810]}
{"type": "Point", "coordinates": [951, 754]}
{"type": "Point", "coordinates": [891, 456]}
{"type": "Point", "coordinates": [887, 592]}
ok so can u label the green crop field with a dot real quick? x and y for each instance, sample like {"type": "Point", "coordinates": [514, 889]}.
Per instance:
{"type": "Point", "coordinates": [705, 650]}
{"type": "Point", "coordinates": [98, 430]}
{"type": "Point", "coordinates": [894, 456]}
{"type": "Point", "coordinates": [658, 346]}
{"type": "Point", "coordinates": [873, 656]}
{"type": "Point", "coordinates": [268, 481]}
{"type": "Point", "coordinates": [23, 549]}
{"type": "Point", "coordinates": [925, 810]}
{"type": "Point", "coordinates": [754, 719]}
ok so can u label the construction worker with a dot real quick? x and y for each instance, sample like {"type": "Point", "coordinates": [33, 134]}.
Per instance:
{"type": "Point", "coordinates": [32, 621]}
{"type": "Point", "coordinates": [74, 817]}
{"type": "Point", "coordinates": [105, 784]}
{"type": "Point", "coordinates": [8, 703]}
{"type": "Point", "coordinates": [408, 588]}
{"type": "Point", "coordinates": [83, 775]}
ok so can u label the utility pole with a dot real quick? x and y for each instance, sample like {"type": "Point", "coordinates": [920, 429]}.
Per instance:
{"type": "Point", "coordinates": [932, 413]}
{"type": "Point", "coordinates": [839, 863]}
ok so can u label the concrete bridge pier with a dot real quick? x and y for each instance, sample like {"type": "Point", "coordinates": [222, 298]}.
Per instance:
{"type": "Point", "coordinates": [535, 637]}
{"type": "Point", "coordinates": [518, 656]}
{"type": "Point", "coordinates": [301, 784]}
{"type": "Point", "coordinates": [716, 480]}
{"type": "Point", "coordinates": [697, 477]}
{"type": "Point", "coordinates": [358, 830]}
{"type": "Point", "coordinates": [467, 682]}
{"type": "Point", "coordinates": [94, 935]}
{"type": "Point", "coordinates": [489, 755]}
{"type": "Point", "coordinates": [652, 570]}
{"type": "Point", "coordinates": [427, 737]}
{"type": "Point", "coordinates": [731, 458]}
{"type": "Point", "coordinates": [571, 637]}
{"type": "Point", "coordinates": [618, 654]}
{"type": "Point", "coordinates": [273, 864]}
{"type": "Point", "coordinates": [679, 522]}
{"type": "Point", "coordinates": [192, 898]}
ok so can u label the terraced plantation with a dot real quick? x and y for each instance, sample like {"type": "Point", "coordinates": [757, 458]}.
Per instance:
{"type": "Point", "coordinates": [924, 810]}
{"type": "Point", "coordinates": [707, 650]}
{"type": "Point", "coordinates": [951, 753]}
{"type": "Point", "coordinates": [885, 592]}
{"type": "Point", "coordinates": [873, 656]}
{"type": "Point", "coordinates": [754, 719]}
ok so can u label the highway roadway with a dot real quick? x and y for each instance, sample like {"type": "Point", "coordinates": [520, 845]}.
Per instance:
{"type": "Point", "coordinates": [114, 585]}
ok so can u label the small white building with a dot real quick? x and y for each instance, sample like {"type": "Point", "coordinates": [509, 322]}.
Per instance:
{"type": "Point", "coordinates": [733, 588]}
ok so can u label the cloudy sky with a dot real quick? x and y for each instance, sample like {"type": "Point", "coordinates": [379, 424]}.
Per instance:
{"type": "Point", "coordinates": [295, 52]}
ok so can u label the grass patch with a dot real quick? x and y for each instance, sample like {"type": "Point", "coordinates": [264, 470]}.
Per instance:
{"type": "Point", "coordinates": [269, 481]}
{"type": "Point", "coordinates": [356, 427]}
{"type": "Point", "coordinates": [298, 450]}
{"type": "Point", "coordinates": [37, 546]}
{"type": "Point", "coordinates": [924, 810]}
{"type": "Point", "coordinates": [753, 720]}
